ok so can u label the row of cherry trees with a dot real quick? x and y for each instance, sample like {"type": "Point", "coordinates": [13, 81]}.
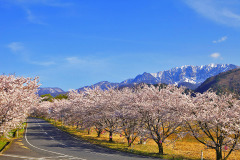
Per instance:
{"type": "Point", "coordinates": [158, 113]}
{"type": "Point", "coordinates": [17, 96]}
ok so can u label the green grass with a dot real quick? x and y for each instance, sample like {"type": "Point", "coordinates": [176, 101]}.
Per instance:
{"type": "Point", "coordinates": [3, 143]}
{"type": "Point", "coordinates": [11, 136]}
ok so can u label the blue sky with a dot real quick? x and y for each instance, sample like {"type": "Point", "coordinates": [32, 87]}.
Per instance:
{"type": "Point", "coordinates": [73, 43]}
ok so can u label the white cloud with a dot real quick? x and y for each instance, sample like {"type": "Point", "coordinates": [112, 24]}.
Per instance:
{"type": "Point", "coordinates": [16, 46]}
{"type": "Point", "coordinates": [32, 18]}
{"type": "Point", "coordinates": [224, 11]}
{"type": "Point", "coordinates": [75, 60]}
{"type": "Point", "coordinates": [85, 62]}
{"type": "Point", "coordinates": [27, 5]}
{"type": "Point", "coordinates": [222, 39]}
{"type": "Point", "coordinates": [215, 55]}
{"type": "Point", "coordinates": [46, 63]}
{"type": "Point", "coordinates": [53, 3]}
{"type": "Point", "coordinates": [20, 50]}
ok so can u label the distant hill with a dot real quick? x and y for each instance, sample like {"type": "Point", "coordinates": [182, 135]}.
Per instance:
{"type": "Point", "coordinates": [188, 76]}
{"type": "Point", "coordinates": [103, 85]}
{"type": "Point", "coordinates": [53, 91]}
{"type": "Point", "coordinates": [224, 82]}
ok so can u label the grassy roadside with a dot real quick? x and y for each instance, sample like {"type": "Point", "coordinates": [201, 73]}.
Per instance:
{"type": "Point", "coordinates": [187, 148]}
{"type": "Point", "coordinates": [3, 143]}
{"type": "Point", "coordinates": [16, 133]}
{"type": "Point", "coordinates": [184, 149]}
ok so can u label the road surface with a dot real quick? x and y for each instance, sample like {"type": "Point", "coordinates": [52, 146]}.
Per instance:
{"type": "Point", "coordinates": [44, 141]}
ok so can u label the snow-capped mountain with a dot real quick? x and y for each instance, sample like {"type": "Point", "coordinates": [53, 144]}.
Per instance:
{"type": "Point", "coordinates": [145, 77]}
{"type": "Point", "coordinates": [188, 76]}
{"type": "Point", "coordinates": [48, 90]}
{"type": "Point", "coordinates": [103, 85]}
{"type": "Point", "coordinates": [194, 75]}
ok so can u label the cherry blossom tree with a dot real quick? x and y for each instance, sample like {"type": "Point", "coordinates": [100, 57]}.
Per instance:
{"type": "Point", "coordinates": [130, 120]}
{"type": "Point", "coordinates": [17, 96]}
{"type": "Point", "coordinates": [43, 110]}
{"type": "Point", "coordinates": [215, 122]}
{"type": "Point", "coordinates": [161, 109]}
{"type": "Point", "coordinates": [109, 107]}
{"type": "Point", "coordinates": [88, 109]}
{"type": "Point", "coordinates": [156, 112]}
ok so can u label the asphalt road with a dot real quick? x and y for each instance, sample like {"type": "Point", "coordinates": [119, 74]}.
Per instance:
{"type": "Point", "coordinates": [44, 141]}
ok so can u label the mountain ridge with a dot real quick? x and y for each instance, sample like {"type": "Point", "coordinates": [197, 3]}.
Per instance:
{"type": "Point", "coordinates": [189, 76]}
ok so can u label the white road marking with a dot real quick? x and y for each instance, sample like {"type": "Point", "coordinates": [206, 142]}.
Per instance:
{"type": "Point", "coordinates": [48, 150]}
{"type": "Point", "coordinates": [35, 158]}
{"type": "Point", "coordinates": [50, 136]}
{"type": "Point", "coordinates": [86, 150]}
{"type": "Point", "coordinates": [17, 156]}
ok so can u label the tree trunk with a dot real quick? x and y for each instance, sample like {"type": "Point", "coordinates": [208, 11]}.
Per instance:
{"type": "Point", "coordinates": [129, 143]}
{"type": "Point", "coordinates": [160, 148]}
{"type": "Point", "coordinates": [218, 154]}
{"type": "Point", "coordinates": [141, 141]}
{"type": "Point", "coordinates": [99, 132]}
{"type": "Point", "coordinates": [110, 136]}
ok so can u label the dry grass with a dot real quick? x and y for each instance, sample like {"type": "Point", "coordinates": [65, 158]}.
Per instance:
{"type": "Point", "coordinates": [186, 148]}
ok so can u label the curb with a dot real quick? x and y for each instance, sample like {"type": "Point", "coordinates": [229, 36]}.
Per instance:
{"type": "Point", "coordinates": [4, 147]}
{"type": "Point", "coordinates": [10, 141]}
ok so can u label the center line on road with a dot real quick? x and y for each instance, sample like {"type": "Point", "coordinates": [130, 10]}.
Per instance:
{"type": "Point", "coordinates": [48, 150]}
{"type": "Point", "coordinates": [85, 150]}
